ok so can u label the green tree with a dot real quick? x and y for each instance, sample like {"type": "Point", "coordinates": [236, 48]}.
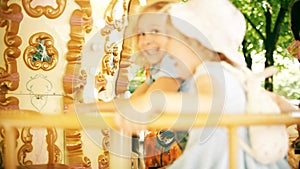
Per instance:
{"type": "Point", "coordinates": [268, 30]}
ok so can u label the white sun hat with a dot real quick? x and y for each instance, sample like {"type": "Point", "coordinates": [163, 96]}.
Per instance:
{"type": "Point", "coordinates": [217, 24]}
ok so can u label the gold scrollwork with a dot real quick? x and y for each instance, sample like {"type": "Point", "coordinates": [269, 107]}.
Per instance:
{"type": "Point", "coordinates": [103, 159]}
{"type": "Point", "coordinates": [109, 66]}
{"type": "Point", "coordinates": [53, 151]}
{"type": "Point", "coordinates": [1, 147]}
{"type": "Point", "coordinates": [74, 148]}
{"type": "Point", "coordinates": [10, 18]}
{"type": "Point", "coordinates": [41, 53]}
{"type": "Point", "coordinates": [111, 59]}
{"type": "Point", "coordinates": [111, 22]}
{"type": "Point", "coordinates": [48, 11]}
{"type": "Point", "coordinates": [27, 147]}
{"type": "Point", "coordinates": [81, 23]}
{"type": "Point", "coordinates": [100, 82]}
{"type": "Point", "coordinates": [128, 48]}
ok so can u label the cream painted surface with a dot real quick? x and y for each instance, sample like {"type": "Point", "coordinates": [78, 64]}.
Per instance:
{"type": "Point", "coordinates": [49, 84]}
{"type": "Point", "coordinates": [42, 90]}
{"type": "Point", "coordinates": [59, 29]}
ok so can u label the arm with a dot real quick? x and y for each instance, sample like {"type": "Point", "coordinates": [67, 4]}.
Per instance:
{"type": "Point", "coordinates": [166, 84]}
{"type": "Point", "coordinates": [165, 80]}
{"type": "Point", "coordinates": [140, 90]}
{"type": "Point", "coordinates": [167, 99]}
{"type": "Point", "coordinates": [137, 99]}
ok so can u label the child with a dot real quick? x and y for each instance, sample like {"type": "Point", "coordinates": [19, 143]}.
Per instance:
{"type": "Point", "coordinates": [163, 76]}
{"type": "Point", "coordinates": [200, 51]}
{"type": "Point", "coordinates": [162, 73]}
{"type": "Point", "coordinates": [157, 153]}
{"type": "Point", "coordinates": [206, 37]}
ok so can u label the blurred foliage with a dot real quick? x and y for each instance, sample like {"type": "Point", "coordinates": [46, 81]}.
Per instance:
{"type": "Point", "coordinates": [268, 34]}
{"type": "Point", "coordinates": [138, 79]}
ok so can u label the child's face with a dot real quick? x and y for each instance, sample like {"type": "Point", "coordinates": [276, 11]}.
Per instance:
{"type": "Point", "coordinates": [152, 39]}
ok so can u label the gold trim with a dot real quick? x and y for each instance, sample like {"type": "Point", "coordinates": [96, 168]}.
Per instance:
{"type": "Point", "coordinates": [27, 147]}
{"type": "Point", "coordinates": [129, 44]}
{"type": "Point", "coordinates": [54, 152]}
{"type": "Point", "coordinates": [81, 23]}
{"type": "Point", "coordinates": [111, 59]}
{"type": "Point", "coordinates": [48, 49]}
{"type": "Point", "coordinates": [103, 159]}
{"type": "Point", "coordinates": [48, 11]}
{"type": "Point", "coordinates": [109, 66]}
{"type": "Point", "coordinates": [11, 16]}
{"type": "Point", "coordinates": [1, 147]}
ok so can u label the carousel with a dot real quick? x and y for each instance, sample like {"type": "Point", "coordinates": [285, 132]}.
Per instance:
{"type": "Point", "coordinates": [57, 53]}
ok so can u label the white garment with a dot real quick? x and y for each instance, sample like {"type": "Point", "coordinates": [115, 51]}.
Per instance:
{"type": "Point", "coordinates": [207, 147]}
{"type": "Point", "coordinates": [165, 68]}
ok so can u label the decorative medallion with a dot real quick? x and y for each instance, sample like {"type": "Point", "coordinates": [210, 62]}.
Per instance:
{"type": "Point", "coordinates": [41, 54]}
{"type": "Point", "coordinates": [47, 10]}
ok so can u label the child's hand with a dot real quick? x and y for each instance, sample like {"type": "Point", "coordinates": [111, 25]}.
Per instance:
{"type": "Point", "coordinates": [294, 49]}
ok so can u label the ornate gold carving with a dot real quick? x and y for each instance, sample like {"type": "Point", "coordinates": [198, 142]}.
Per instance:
{"type": "Point", "coordinates": [27, 147]}
{"type": "Point", "coordinates": [109, 66]}
{"type": "Point", "coordinates": [47, 10]}
{"type": "Point", "coordinates": [41, 53]}
{"type": "Point", "coordinates": [111, 22]}
{"type": "Point", "coordinates": [10, 18]}
{"type": "Point", "coordinates": [129, 45]}
{"type": "Point", "coordinates": [100, 82]}
{"type": "Point", "coordinates": [81, 23]}
{"type": "Point", "coordinates": [103, 159]}
{"type": "Point", "coordinates": [76, 83]}
{"type": "Point", "coordinates": [74, 148]}
{"type": "Point", "coordinates": [1, 147]}
{"type": "Point", "coordinates": [53, 151]}
{"type": "Point", "coordinates": [111, 59]}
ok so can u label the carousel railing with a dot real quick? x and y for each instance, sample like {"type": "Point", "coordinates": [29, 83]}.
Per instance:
{"type": "Point", "coordinates": [11, 119]}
